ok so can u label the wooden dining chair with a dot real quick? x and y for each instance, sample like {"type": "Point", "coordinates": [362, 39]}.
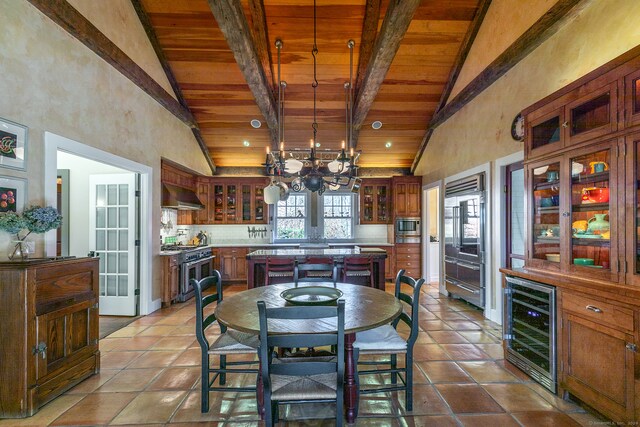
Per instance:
{"type": "Point", "coordinates": [278, 270]}
{"type": "Point", "coordinates": [301, 379]}
{"type": "Point", "coordinates": [358, 270]}
{"type": "Point", "coordinates": [385, 340]}
{"type": "Point", "coordinates": [316, 270]}
{"type": "Point", "coordinates": [225, 344]}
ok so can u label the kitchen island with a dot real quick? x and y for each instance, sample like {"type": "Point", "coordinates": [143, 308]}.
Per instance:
{"type": "Point", "coordinates": [257, 260]}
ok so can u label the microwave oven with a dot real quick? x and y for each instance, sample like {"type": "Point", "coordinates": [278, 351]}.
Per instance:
{"type": "Point", "coordinates": [407, 227]}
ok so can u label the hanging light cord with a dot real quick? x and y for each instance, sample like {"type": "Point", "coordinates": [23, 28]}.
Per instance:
{"type": "Point", "coordinates": [314, 53]}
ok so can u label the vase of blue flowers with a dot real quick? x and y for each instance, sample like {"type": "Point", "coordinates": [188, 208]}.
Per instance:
{"type": "Point", "coordinates": [34, 219]}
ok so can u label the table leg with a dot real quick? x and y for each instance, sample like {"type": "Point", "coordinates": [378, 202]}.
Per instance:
{"type": "Point", "coordinates": [350, 386]}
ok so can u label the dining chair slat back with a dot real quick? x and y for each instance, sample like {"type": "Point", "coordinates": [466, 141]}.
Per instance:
{"type": "Point", "coordinates": [386, 340]}
{"type": "Point", "coordinates": [223, 345]}
{"type": "Point", "coordinates": [316, 272]}
{"type": "Point", "coordinates": [301, 379]}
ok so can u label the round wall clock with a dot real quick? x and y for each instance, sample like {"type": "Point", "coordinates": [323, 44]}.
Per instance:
{"type": "Point", "coordinates": [517, 128]}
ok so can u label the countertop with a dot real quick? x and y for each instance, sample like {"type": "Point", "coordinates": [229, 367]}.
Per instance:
{"type": "Point", "coordinates": [246, 243]}
{"type": "Point", "coordinates": [375, 252]}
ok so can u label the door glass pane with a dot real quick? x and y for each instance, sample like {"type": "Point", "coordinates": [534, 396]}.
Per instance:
{"type": "Point", "coordinates": [112, 263]}
{"type": "Point", "coordinates": [590, 242]}
{"type": "Point", "coordinates": [546, 212]}
{"type": "Point", "coordinates": [123, 262]}
{"type": "Point", "coordinates": [382, 203]}
{"type": "Point", "coordinates": [123, 285]}
{"type": "Point", "coordinates": [517, 263]}
{"type": "Point", "coordinates": [101, 257]}
{"type": "Point", "coordinates": [112, 194]}
{"type": "Point", "coordinates": [111, 286]}
{"type": "Point", "coordinates": [259, 203]}
{"type": "Point", "coordinates": [124, 194]}
{"type": "Point", "coordinates": [101, 218]}
{"type": "Point", "coordinates": [112, 218]}
{"type": "Point", "coordinates": [636, 96]}
{"type": "Point", "coordinates": [100, 240]}
{"type": "Point", "coordinates": [637, 196]}
{"type": "Point", "coordinates": [101, 195]}
{"type": "Point", "coordinates": [123, 221]}
{"type": "Point", "coordinates": [124, 240]}
{"type": "Point", "coordinates": [112, 242]}
{"type": "Point", "coordinates": [103, 290]}
{"type": "Point", "coordinates": [246, 203]}
{"type": "Point", "coordinates": [469, 225]}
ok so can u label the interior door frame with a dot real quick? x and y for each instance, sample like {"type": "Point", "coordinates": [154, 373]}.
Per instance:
{"type": "Point", "coordinates": [54, 143]}
{"type": "Point", "coordinates": [426, 247]}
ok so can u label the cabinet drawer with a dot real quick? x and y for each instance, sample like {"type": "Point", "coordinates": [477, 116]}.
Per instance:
{"type": "Point", "coordinates": [408, 257]}
{"type": "Point", "coordinates": [407, 264]}
{"type": "Point", "coordinates": [599, 311]}
{"type": "Point", "coordinates": [408, 249]}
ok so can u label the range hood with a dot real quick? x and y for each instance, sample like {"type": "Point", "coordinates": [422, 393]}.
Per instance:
{"type": "Point", "coordinates": [180, 198]}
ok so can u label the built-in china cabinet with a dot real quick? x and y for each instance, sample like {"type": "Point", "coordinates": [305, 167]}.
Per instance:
{"type": "Point", "coordinates": [582, 169]}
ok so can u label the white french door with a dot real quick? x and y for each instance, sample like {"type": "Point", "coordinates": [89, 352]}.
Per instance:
{"type": "Point", "coordinates": [112, 234]}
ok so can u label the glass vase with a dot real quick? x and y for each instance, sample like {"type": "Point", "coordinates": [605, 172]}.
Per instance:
{"type": "Point", "coordinates": [19, 251]}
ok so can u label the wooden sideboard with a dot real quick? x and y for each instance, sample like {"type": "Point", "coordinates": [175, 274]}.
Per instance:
{"type": "Point", "coordinates": [48, 330]}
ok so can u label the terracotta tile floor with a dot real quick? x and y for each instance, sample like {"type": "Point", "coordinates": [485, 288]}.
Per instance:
{"type": "Point", "coordinates": [150, 376]}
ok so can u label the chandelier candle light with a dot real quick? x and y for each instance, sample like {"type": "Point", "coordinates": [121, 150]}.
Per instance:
{"type": "Point", "coordinates": [312, 169]}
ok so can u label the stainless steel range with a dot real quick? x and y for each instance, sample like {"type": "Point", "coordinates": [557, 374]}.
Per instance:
{"type": "Point", "coordinates": [195, 263]}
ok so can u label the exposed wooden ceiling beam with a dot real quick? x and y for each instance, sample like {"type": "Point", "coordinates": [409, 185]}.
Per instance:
{"type": "Point", "coordinates": [540, 31]}
{"type": "Point", "coordinates": [72, 21]}
{"type": "Point", "coordinates": [153, 38]}
{"type": "Point", "coordinates": [395, 25]}
{"type": "Point", "coordinates": [261, 39]}
{"type": "Point", "coordinates": [369, 32]}
{"type": "Point", "coordinates": [465, 47]}
{"type": "Point", "coordinates": [234, 26]}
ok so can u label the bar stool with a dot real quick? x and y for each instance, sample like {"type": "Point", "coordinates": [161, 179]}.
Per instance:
{"type": "Point", "coordinates": [358, 270]}
{"type": "Point", "coordinates": [316, 270]}
{"type": "Point", "coordinates": [278, 270]}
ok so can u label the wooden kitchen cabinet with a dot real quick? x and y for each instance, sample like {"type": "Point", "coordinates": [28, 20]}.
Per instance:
{"type": "Point", "coordinates": [407, 196]}
{"type": "Point", "coordinates": [170, 278]}
{"type": "Point", "coordinates": [203, 216]}
{"type": "Point", "coordinates": [598, 361]}
{"type": "Point", "coordinates": [48, 329]}
{"type": "Point", "coordinates": [233, 263]}
{"type": "Point", "coordinates": [375, 201]}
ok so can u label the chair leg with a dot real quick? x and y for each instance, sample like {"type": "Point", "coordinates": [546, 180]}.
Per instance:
{"type": "Point", "coordinates": [394, 365]}
{"type": "Point", "coordinates": [204, 382]}
{"type": "Point", "coordinates": [276, 413]}
{"type": "Point", "coordinates": [409, 381]}
{"type": "Point", "coordinates": [223, 365]}
{"type": "Point", "coordinates": [268, 410]}
{"type": "Point", "coordinates": [340, 404]}
{"type": "Point", "coordinates": [356, 356]}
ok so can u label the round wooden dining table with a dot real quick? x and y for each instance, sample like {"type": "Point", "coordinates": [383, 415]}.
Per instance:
{"type": "Point", "coordinates": [365, 308]}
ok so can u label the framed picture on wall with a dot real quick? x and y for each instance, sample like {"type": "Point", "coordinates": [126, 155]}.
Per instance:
{"type": "Point", "coordinates": [13, 193]}
{"type": "Point", "coordinates": [13, 145]}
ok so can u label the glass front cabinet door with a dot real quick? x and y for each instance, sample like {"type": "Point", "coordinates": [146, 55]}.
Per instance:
{"type": "Point", "coordinates": [573, 212]}
{"type": "Point", "coordinates": [593, 249]}
{"type": "Point", "coordinates": [631, 264]}
{"type": "Point", "coordinates": [545, 231]}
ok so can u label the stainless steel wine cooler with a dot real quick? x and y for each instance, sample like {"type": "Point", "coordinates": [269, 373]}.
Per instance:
{"type": "Point", "coordinates": [530, 329]}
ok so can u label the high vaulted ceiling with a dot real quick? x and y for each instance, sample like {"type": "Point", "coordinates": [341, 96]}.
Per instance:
{"type": "Point", "coordinates": [216, 90]}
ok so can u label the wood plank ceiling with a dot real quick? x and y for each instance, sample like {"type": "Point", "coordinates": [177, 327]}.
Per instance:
{"type": "Point", "coordinates": [223, 104]}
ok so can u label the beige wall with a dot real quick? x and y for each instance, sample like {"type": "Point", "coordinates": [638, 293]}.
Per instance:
{"type": "Point", "coordinates": [480, 132]}
{"type": "Point", "coordinates": [52, 82]}
{"type": "Point", "coordinates": [433, 213]}
{"type": "Point", "coordinates": [492, 39]}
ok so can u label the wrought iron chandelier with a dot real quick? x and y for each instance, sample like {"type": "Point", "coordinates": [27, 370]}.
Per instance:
{"type": "Point", "coordinates": [313, 169]}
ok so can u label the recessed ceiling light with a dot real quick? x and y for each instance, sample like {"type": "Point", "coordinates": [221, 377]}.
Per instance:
{"type": "Point", "coordinates": [388, 144]}
{"type": "Point", "coordinates": [376, 125]}
{"type": "Point", "coordinates": [246, 143]}
{"type": "Point", "coordinates": [256, 123]}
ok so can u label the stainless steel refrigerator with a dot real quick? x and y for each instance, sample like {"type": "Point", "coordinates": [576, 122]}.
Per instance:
{"type": "Point", "coordinates": [464, 223]}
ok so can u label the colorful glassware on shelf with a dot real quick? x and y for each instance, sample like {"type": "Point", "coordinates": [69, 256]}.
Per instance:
{"type": "Point", "coordinates": [598, 225]}
{"type": "Point", "coordinates": [595, 195]}
{"type": "Point", "coordinates": [597, 167]}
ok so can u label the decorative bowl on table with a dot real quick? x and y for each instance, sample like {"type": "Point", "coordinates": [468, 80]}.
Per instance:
{"type": "Point", "coordinates": [311, 295]}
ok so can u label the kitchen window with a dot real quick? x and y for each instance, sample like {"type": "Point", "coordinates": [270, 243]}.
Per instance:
{"type": "Point", "coordinates": [291, 217]}
{"type": "Point", "coordinates": [337, 216]}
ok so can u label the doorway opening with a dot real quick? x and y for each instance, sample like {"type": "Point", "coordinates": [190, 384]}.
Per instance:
{"type": "Point", "coordinates": [431, 234]}
{"type": "Point", "coordinates": [121, 218]}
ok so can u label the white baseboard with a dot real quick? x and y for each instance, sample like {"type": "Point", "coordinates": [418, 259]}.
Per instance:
{"type": "Point", "coordinates": [494, 316]}
{"type": "Point", "coordinates": [155, 305]}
